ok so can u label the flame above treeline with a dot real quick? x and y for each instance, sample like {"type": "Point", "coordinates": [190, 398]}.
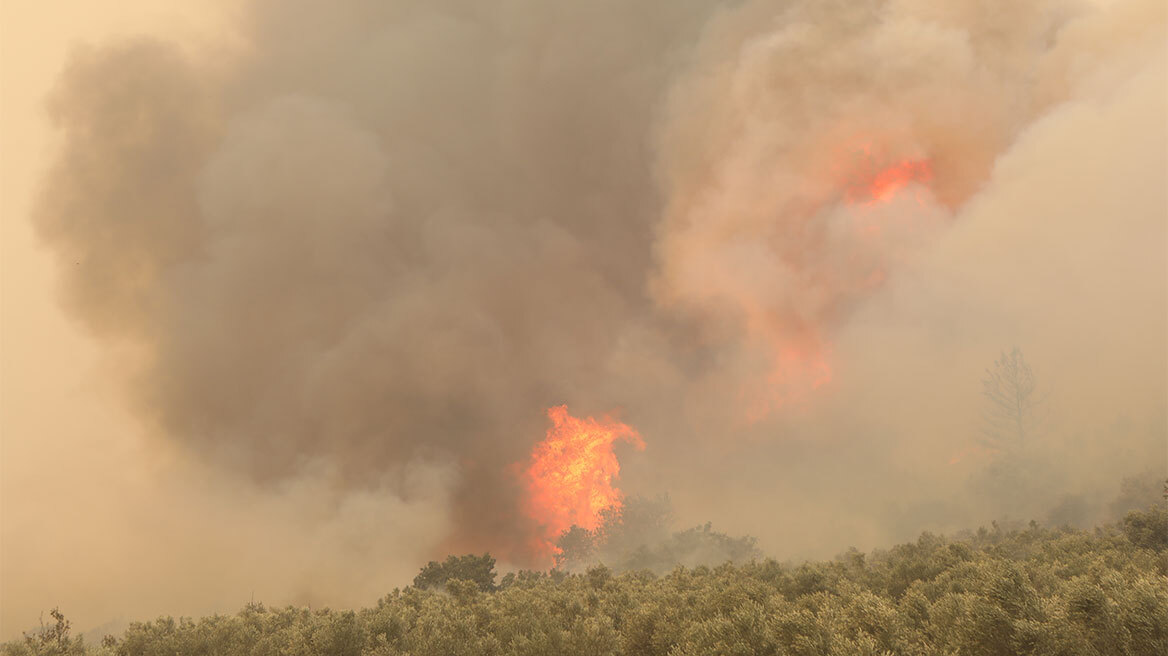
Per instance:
{"type": "Point", "coordinates": [569, 479]}
{"type": "Point", "coordinates": [299, 271]}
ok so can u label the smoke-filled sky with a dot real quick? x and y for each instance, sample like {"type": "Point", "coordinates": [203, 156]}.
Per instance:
{"type": "Point", "coordinates": [288, 287]}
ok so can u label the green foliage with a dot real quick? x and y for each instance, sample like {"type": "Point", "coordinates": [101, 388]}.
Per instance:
{"type": "Point", "coordinates": [577, 547]}
{"type": "Point", "coordinates": [49, 640]}
{"type": "Point", "coordinates": [1026, 590]}
{"type": "Point", "coordinates": [479, 570]}
{"type": "Point", "coordinates": [1147, 529]}
{"type": "Point", "coordinates": [1138, 492]}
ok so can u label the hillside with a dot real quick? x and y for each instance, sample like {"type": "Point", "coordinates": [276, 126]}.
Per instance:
{"type": "Point", "coordinates": [1031, 590]}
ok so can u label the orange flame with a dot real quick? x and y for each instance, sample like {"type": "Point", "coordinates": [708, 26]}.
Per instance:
{"type": "Point", "coordinates": [569, 480]}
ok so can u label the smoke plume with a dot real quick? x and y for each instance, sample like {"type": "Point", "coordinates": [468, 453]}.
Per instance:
{"type": "Point", "coordinates": [354, 257]}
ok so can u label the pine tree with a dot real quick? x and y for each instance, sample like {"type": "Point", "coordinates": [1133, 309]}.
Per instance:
{"type": "Point", "coordinates": [1010, 418]}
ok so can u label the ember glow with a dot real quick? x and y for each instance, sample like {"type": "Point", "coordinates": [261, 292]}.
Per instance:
{"type": "Point", "coordinates": [569, 479]}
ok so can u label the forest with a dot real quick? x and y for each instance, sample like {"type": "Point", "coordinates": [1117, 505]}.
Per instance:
{"type": "Point", "coordinates": [1002, 589]}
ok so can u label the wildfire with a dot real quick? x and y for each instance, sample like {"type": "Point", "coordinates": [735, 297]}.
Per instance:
{"type": "Point", "coordinates": [873, 179]}
{"type": "Point", "coordinates": [869, 230]}
{"type": "Point", "coordinates": [569, 479]}
{"type": "Point", "coordinates": [798, 368]}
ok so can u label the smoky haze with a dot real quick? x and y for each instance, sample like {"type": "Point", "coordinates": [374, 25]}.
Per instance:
{"type": "Point", "coordinates": [344, 266]}
{"type": "Point", "coordinates": [384, 234]}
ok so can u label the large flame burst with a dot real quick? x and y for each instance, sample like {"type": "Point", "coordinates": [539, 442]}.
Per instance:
{"type": "Point", "coordinates": [569, 479]}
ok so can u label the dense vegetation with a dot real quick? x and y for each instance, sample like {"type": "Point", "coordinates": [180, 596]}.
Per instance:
{"type": "Point", "coordinates": [1030, 590]}
{"type": "Point", "coordinates": [638, 536]}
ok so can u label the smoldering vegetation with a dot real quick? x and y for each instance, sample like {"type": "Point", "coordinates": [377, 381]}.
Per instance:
{"type": "Point", "coordinates": [362, 248]}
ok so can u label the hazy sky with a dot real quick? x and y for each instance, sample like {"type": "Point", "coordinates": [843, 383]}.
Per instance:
{"type": "Point", "coordinates": [308, 276]}
{"type": "Point", "coordinates": [58, 422]}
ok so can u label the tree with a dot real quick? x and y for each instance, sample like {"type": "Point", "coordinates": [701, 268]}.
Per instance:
{"type": "Point", "coordinates": [639, 522]}
{"type": "Point", "coordinates": [476, 569]}
{"type": "Point", "coordinates": [1010, 417]}
{"type": "Point", "coordinates": [1138, 492]}
{"type": "Point", "coordinates": [1147, 529]}
{"type": "Point", "coordinates": [577, 548]}
{"type": "Point", "coordinates": [50, 640]}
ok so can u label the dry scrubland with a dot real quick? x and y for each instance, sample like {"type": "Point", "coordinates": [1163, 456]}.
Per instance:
{"type": "Point", "coordinates": [1026, 590]}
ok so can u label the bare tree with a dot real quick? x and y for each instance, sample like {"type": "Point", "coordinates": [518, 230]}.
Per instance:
{"type": "Point", "coordinates": [1011, 414]}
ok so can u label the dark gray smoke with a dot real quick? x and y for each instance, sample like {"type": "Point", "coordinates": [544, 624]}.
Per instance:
{"type": "Point", "coordinates": [377, 238]}
{"type": "Point", "coordinates": [382, 233]}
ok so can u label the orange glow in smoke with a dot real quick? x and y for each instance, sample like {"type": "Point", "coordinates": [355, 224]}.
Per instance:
{"type": "Point", "coordinates": [569, 479]}
{"type": "Point", "coordinates": [797, 371]}
{"type": "Point", "coordinates": [874, 179]}
{"type": "Point", "coordinates": [866, 177]}
{"type": "Point", "coordinates": [886, 183]}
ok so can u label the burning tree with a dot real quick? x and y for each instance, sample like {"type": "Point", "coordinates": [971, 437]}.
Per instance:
{"type": "Point", "coordinates": [1011, 414]}
{"type": "Point", "coordinates": [570, 477]}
